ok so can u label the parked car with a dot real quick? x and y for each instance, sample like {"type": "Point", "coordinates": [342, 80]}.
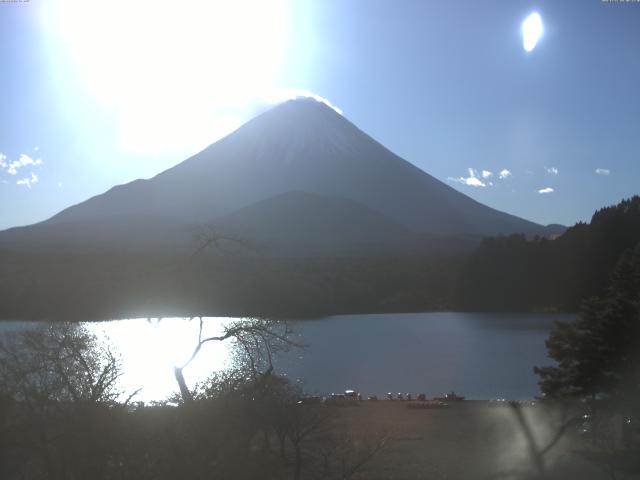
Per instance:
{"type": "Point", "coordinates": [349, 397]}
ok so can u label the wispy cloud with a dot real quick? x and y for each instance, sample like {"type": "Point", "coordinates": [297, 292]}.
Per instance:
{"type": "Point", "coordinates": [546, 190]}
{"type": "Point", "coordinates": [23, 161]}
{"type": "Point", "coordinates": [504, 174]}
{"type": "Point", "coordinates": [28, 181]}
{"type": "Point", "coordinates": [472, 180]}
{"type": "Point", "coordinates": [603, 171]}
{"type": "Point", "coordinates": [551, 170]}
{"type": "Point", "coordinates": [486, 174]}
{"type": "Point", "coordinates": [13, 167]}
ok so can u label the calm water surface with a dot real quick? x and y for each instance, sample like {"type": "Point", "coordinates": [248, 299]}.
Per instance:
{"type": "Point", "coordinates": [480, 355]}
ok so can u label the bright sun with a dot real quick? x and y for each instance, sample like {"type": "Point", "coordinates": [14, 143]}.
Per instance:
{"type": "Point", "coordinates": [531, 31]}
{"type": "Point", "coordinates": [172, 73]}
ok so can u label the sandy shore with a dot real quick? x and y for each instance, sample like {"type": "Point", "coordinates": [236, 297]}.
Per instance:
{"type": "Point", "coordinates": [467, 440]}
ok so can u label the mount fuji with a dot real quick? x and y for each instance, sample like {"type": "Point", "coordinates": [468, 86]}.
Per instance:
{"type": "Point", "coordinates": [298, 178]}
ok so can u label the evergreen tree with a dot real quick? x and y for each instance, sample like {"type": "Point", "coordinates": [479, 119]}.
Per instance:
{"type": "Point", "coordinates": [597, 355]}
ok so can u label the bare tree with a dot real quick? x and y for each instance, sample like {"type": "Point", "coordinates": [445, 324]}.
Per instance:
{"type": "Point", "coordinates": [257, 340]}
{"type": "Point", "coordinates": [58, 384]}
{"type": "Point", "coordinates": [211, 237]}
{"type": "Point", "coordinates": [299, 424]}
{"type": "Point", "coordinates": [58, 362]}
{"type": "Point", "coordinates": [343, 457]}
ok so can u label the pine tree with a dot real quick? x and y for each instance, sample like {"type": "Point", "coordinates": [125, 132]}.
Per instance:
{"type": "Point", "coordinates": [598, 354]}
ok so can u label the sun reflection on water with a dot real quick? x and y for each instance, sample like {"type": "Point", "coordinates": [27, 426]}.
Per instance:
{"type": "Point", "coordinates": [150, 349]}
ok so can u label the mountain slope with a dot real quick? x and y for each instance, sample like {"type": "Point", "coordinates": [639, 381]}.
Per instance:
{"type": "Point", "coordinates": [301, 223]}
{"type": "Point", "coordinates": [300, 145]}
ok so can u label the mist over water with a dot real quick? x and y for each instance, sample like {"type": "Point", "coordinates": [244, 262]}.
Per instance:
{"type": "Point", "coordinates": [479, 355]}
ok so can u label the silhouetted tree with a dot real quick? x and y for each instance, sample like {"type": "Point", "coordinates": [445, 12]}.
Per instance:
{"type": "Point", "coordinates": [598, 360]}
{"type": "Point", "coordinates": [256, 341]}
{"type": "Point", "coordinates": [516, 273]}
{"type": "Point", "coordinates": [598, 353]}
{"type": "Point", "coordinates": [57, 385]}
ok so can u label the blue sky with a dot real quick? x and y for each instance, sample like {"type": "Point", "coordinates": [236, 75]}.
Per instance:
{"type": "Point", "coordinates": [94, 94]}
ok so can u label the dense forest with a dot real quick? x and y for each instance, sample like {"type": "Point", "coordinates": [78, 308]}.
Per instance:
{"type": "Point", "coordinates": [502, 273]}
{"type": "Point", "coordinates": [70, 287]}
{"type": "Point", "coordinates": [513, 273]}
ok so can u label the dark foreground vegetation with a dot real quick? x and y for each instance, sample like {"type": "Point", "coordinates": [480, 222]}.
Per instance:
{"type": "Point", "coordinates": [62, 417]}
{"type": "Point", "coordinates": [510, 273]}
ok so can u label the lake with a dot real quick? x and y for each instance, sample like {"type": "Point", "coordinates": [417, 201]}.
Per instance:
{"type": "Point", "coordinates": [479, 355]}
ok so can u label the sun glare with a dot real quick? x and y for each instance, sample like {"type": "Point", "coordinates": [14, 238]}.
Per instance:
{"type": "Point", "coordinates": [174, 74]}
{"type": "Point", "coordinates": [531, 31]}
{"type": "Point", "coordinates": [151, 349]}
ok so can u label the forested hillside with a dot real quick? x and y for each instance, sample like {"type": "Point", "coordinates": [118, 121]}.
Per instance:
{"type": "Point", "coordinates": [503, 273]}
{"type": "Point", "coordinates": [513, 273]}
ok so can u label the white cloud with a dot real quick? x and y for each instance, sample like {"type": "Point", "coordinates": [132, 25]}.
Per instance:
{"type": "Point", "coordinates": [28, 181]}
{"type": "Point", "coordinates": [551, 170]}
{"type": "Point", "coordinates": [504, 174]}
{"type": "Point", "coordinates": [603, 171]}
{"type": "Point", "coordinates": [486, 174]}
{"type": "Point", "coordinates": [546, 190]}
{"type": "Point", "coordinates": [3, 160]}
{"type": "Point", "coordinates": [472, 180]}
{"type": "Point", "coordinates": [24, 160]}
{"type": "Point", "coordinates": [36, 148]}
{"type": "Point", "coordinates": [59, 184]}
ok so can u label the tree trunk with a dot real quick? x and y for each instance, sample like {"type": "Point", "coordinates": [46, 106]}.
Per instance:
{"type": "Point", "coordinates": [184, 391]}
